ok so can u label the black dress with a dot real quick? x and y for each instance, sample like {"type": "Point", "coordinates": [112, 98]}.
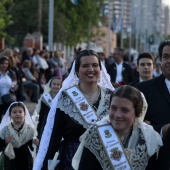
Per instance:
{"type": "Point", "coordinates": [68, 128]}
{"type": "Point", "coordinates": [23, 159]}
{"type": "Point", "coordinates": [42, 118]}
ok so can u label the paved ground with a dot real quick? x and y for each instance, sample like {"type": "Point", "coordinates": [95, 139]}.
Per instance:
{"type": "Point", "coordinates": [30, 106]}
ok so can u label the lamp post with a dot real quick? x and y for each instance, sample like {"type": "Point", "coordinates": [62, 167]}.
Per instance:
{"type": "Point", "coordinates": [122, 11]}
{"type": "Point", "coordinates": [50, 25]}
{"type": "Point", "coordinates": [109, 25]}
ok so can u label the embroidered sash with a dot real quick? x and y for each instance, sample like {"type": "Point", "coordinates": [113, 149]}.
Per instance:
{"type": "Point", "coordinates": [48, 99]}
{"type": "Point", "coordinates": [84, 108]}
{"type": "Point", "coordinates": [113, 147]}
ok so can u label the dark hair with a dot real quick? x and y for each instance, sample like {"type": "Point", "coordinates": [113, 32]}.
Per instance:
{"type": "Point", "coordinates": [145, 55]}
{"type": "Point", "coordinates": [120, 50]}
{"type": "Point", "coordinates": [26, 63]}
{"type": "Point", "coordinates": [55, 77]}
{"type": "Point", "coordinates": [84, 53]}
{"type": "Point", "coordinates": [3, 58]}
{"type": "Point", "coordinates": [16, 104]}
{"type": "Point", "coordinates": [161, 46]}
{"type": "Point", "coordinates": [131, 94]}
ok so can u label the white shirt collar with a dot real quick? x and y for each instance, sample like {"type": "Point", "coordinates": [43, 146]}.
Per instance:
{"type": "Point", "coordinates": [119, 64]}
{"type": "Point", "coordinates": [167, 82]}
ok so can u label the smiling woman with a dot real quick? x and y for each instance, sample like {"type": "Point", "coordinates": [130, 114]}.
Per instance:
{"type": "Point", "coordinates": [122, 140]}
{"type": "Point", "coordinates": [82, 100]}
{"type": "Point", "coordinates": [7, 80]}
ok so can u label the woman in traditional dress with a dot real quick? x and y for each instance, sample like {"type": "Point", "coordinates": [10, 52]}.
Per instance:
{"type": "Point", "coordinates": [16, 138]}
{"type": "Point", "coordinates": [82, 100]}
{"type": "Point", "coordinates": [45, 102]}
{"type": "Point", "coordinates": [122, 140]}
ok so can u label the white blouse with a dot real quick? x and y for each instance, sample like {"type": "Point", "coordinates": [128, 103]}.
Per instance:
{"type": "Point", "coordinates": [5, 84]}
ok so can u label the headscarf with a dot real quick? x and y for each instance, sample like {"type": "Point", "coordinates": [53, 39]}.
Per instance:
{"type": "Point", "coordinates": [6, 119]}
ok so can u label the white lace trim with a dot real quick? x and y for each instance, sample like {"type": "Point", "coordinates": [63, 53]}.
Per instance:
{"type": "Point", "coordinates": [65, 104]}
{"type": "Point", "coordinates": [138, 154]}
{"type": "Point", "coordinates": [26, 134]}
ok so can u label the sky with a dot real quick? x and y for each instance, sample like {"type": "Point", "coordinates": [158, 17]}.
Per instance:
{"type": "Point", "coordinates": [167, 2]}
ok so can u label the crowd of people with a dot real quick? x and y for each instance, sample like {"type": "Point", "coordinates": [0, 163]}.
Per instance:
{"type": "Point", "coordinates": [98, 114]}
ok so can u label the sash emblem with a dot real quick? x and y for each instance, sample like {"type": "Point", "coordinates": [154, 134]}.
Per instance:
{"type": "Point", "coordinates": [74, 93]}
{"type": "Point", "coordinates": [49, 100]}
{"type": "Point", "coordinates": [107, 134]}
{"type": "Point", "coordinates": [116, 154]}
{"type": "Point", "coordinates": [83, 106]}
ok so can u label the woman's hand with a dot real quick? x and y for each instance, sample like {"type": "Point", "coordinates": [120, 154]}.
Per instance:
{"type": "Point", "coordinates": [8, 139]}
{"type": "Point", "coordinates": [164, 129]}
{"type": "Point", "coordinates": [14, 87]}
{"type": "Point", "coordinates": [148, 122]}
{"type": "Point", "coordinates": [36, 142]}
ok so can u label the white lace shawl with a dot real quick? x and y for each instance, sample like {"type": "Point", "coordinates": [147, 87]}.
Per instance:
{"type": "Point", "coordinates": [71, 80]}
{"type": "Point", "coordinates": [137, 154]}
{"type": "Point", "coordinates": [19, 138]}
{"type": "Point", "coordinates": [65, 104]}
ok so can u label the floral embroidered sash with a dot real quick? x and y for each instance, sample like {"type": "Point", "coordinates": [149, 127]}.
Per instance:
{"type": "Point", "coordinates": [113, 147]}
{"type": "Point", "coordinates": [84, 108]}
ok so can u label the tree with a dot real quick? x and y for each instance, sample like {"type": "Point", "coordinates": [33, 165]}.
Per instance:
{"type": "Point", "coordinates": [71, 23]}
{"type": "Point", "coordinates": [5, 17]}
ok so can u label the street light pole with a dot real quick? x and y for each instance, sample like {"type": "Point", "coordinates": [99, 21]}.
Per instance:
{"type": "Point", "coordinates": [109, 25]}
{"type": "Point", "coordinates": [122, 11]}
{"type": "Point", "coordinates": [50, 25]}
{"type": "Point", "coordinates": [39, 15]}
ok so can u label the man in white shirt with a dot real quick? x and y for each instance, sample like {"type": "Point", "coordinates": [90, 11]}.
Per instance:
{"type": "Point", "coordinates": [120, 72]}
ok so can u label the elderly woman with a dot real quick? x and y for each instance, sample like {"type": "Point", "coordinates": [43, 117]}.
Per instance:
{"type": "Point", "coordinates": [82, 100]}
{"type": "Point", "coordinates": [122, 140]}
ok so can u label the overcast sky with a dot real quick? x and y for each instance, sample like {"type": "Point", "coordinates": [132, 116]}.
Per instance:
{"type": "Point", "coordinates": [167, 2]}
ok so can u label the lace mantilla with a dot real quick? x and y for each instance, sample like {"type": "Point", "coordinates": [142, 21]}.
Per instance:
{"type": "Point", "coordinates": [19, 139]}
{"type": "Point", "coordinates": [65, 104]}
{"type": "Point", "coordinates": [138, 156]}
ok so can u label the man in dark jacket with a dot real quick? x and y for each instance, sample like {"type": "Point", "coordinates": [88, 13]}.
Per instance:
{"type": "Point", "coordinates": [120, 72]}
{"type": "Point", "coordinates": [157, 94]}
{"type": "Point", "coordinates": [145, 67]}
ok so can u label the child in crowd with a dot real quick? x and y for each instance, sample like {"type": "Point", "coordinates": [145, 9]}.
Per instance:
{"type": "Point", "coordinates": [17, 134]}
{"type": "Point", "coordinates": [45, 102]}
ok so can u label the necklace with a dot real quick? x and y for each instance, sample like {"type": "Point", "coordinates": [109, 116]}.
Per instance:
{"type": "Point", "coordinates": [17, 129]}
{"type": "Point", "coordinates": [90, 97]}
{"type": "Point", "coordinates": [53, 94]}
